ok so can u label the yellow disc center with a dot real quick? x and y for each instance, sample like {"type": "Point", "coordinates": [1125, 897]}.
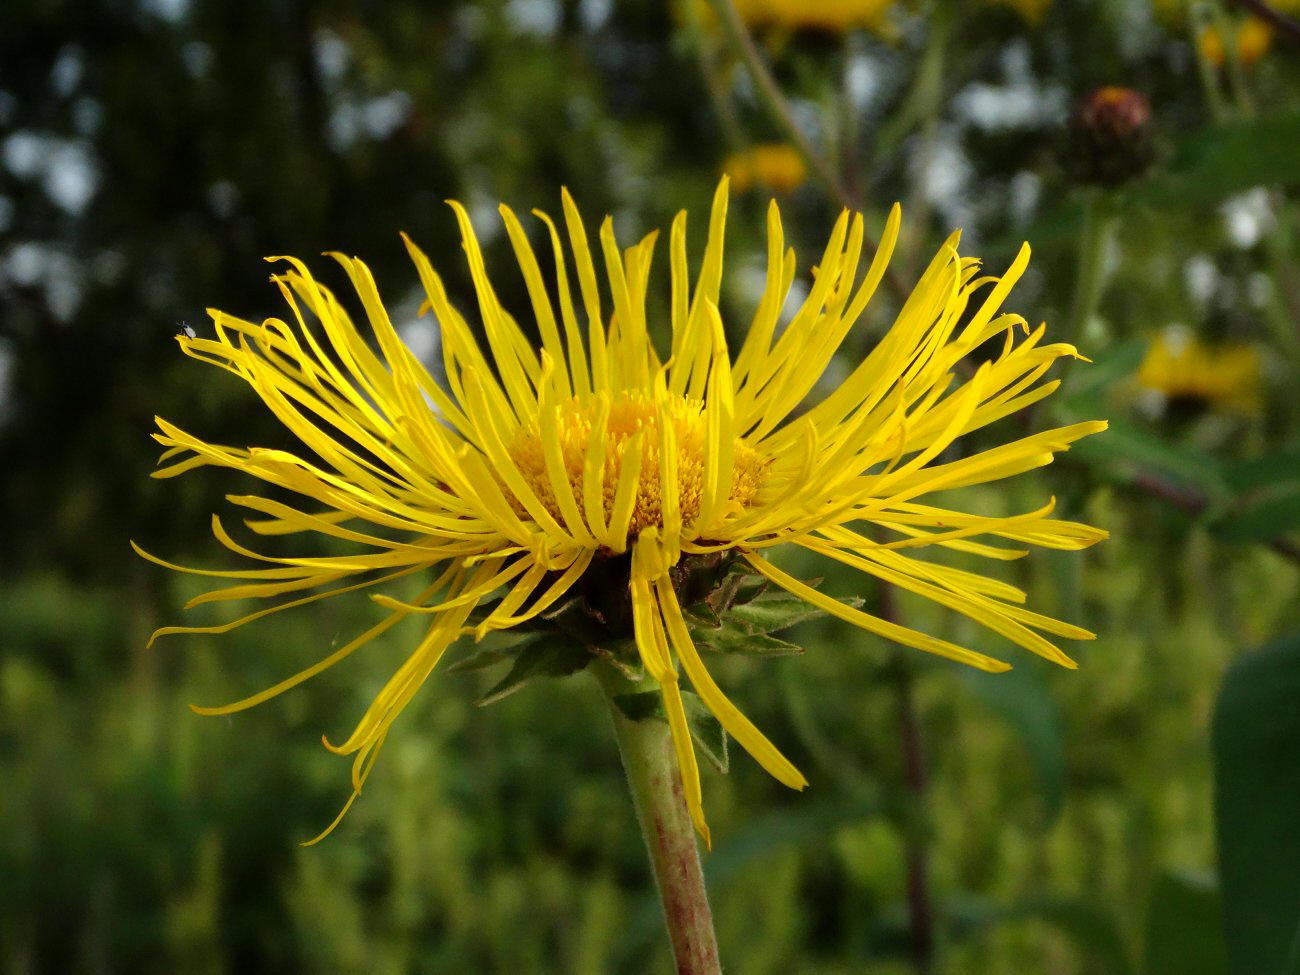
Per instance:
{"type": "Point", "coordinates": [632, 412]}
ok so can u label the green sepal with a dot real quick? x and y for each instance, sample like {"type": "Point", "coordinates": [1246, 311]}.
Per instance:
{"type": "Point", "coordinates": [552, 655]}
{"type": "Point", "coordinates": [624, 656]}
{"type": "Point", "coordinates": [706, 731]}
{"type": "Point", "coordinates": [746, 627]}
{"type": "Point", "coordinates": [480, 659]}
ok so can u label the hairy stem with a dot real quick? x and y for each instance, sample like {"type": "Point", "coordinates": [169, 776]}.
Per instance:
{"type": "Point", "coordinates": [648, 759]}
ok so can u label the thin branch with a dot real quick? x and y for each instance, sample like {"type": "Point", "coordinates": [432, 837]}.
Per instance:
{"type": "Point", "coordinates": [778, 107]}
{"type": "Point", "coordinates": [1288, 27]}
{"type": "Point", "coordinates": [1193, 503]}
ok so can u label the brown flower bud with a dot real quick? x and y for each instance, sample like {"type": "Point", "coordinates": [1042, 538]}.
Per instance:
{"type": "Point", "coordinates": [1110, 136]}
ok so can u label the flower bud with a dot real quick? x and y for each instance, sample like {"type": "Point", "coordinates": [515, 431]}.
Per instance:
{"type": "Point", "coordinates": [1110, 136]}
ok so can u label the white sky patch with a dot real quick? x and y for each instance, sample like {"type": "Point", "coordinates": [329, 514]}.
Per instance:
{"type": "Point", "coordinates": [25, 153]}
{"type": "Point", "coordinates": [534, 18]}
{"type": "Point", "coordinates": [30, 264]}
{"type": "Point", "coordinates": [344, 126]}
{"type": "Point", "coordinates": [1248, 217]}
{"type": "Point", "coordinates": [382, 116]}
{"type": "Point", "coordinates": [87, 116]}
{"type": "Point", "coordinates": [944, 173]}
{"type": "Point", "coordinates": [1200, 277]}
{"type": "Point", "coordinates": [332, 55]}
{"type": "Point", "coordinates": [223, 197]}
{"type": "Point", "coordinates": [483, 216]}
{"type": "Point", "coordinates": [63, 286]}
{"type": "Point", "coordinates": [1024, 191]}
{"type": "Point", "coordinates": [172, 11]}
{"type": "Point", "coordinates": [24, 263]}
{"type": "Point", "coordinates": [72, 177]}
{"type": "Point", "coordinates": [863, 80]}
{"type": "Point", "coordinates": [794, 300]}
{"type": "Point", "coordinates": [1020, 102]}
{"type": "Point", "coordinates": [68, 68]}
{"type": "Point", "coordinates": [66, 167]}
{"type": "Point", "coordinates": [594, 13]}
{"type": "Point", "coordinates": [1259, 290]}
{"type": "Point", "coordinates": [197, 58]}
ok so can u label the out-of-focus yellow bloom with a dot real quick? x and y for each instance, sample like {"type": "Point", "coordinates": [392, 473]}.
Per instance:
{"type": "Point", "coordinates": [596, 457]}
{"type": "Point", "coordinates": [1183, 370]}
{"type": "Point", "coordinates": [1253, 38]}
{"type": "Point", "coordinates": [828, 15]}
{"type": "Point", "coordinates": [774, 165]}
{"type": "Point", "coordinates": [1031, 11]}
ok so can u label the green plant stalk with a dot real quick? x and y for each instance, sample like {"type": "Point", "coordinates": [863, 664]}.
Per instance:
{"type": "Point", "coordinates": [656, 785]}
{"type": "Point", "coordinates": [769, 93]}
{"type": "Point", "coordinates": [1099, 220]}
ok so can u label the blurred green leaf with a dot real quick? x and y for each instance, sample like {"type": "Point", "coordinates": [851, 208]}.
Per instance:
{"type": "Point", "coordinates": [1093, 930]}
{"type": "Point", "coordinates": [1228, 158]}
{"type": "Point", "coordinates": [1256, 741]}
{"type": "Point", "coordinates": [1108, 368]}
{"type": "Point", "coordinates": [1184, 927]}
{"type": "Point", "coordinates": [1125, 452]}
{"type": "Point", "coordinates": [1021, 699]}
{"type": "Point", "coordinates": [1267, 504]}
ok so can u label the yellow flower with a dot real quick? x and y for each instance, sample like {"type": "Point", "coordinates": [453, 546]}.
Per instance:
{"type": "Point", "coordinates": [828, 15]}
{"type": "Point", "coordinates": [1180, 368]}
{"type": "Point", "coordinates": [774, 165]}
{"type": "Point", "coordinates": [595, 454]}
{"type": "Point", "coordinates": [1253, 39]}
{"type": "Point", "coordinates": [1031, 11]}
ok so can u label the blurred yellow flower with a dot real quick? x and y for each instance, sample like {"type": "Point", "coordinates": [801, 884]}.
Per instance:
{"type": "Point", "coordinates": [530, 471]}
{"type": "Point", "coordinates": [1183, 370]}
{"type": "Point", "coordinates": [828, 15]}
{"type": "Point", "coordinates": [1031, 11]}
{"type": "Point", "coordinates": [774, 165]}
{"type": "Point", "coordinates": [1253, 39]}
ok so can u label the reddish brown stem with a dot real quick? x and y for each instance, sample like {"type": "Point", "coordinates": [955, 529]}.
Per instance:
{"type": "Point", "coordinates": [648, 759]}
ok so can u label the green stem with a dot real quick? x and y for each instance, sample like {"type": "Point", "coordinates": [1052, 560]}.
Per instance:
{"type": "Point", "coordinates": [648, 758]}
{"type": "Point", "coordinates": [769, 93]}
{"type": "Point", "coordinates": [1090, 272]}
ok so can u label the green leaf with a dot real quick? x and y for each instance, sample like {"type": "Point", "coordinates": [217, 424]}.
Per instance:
{"type": "Point", "coordinates": [551, 656]}
{"type": "Point", "coordinates": [707, 731]}
{"type": "Point", "coordinates": [1229, 158]}
{"type": "Point", "coordinates": [780, 612]}
{"type": "Point", "coordinates": [479, 660]}
{"type": "Point", "coordinates": [1256, 740]}
{"type": "Point", "coordinates": [1108, 367]}
{"type": "Point", "coordinates": [1021, 699]}
{"type": "Point", "coordinates": [1261, 516]}
{"type": "Point", "coordinates": [746, 627]}
{"type": "Point", "coordinates": [1268, 501]}
{"type": "Point", "coordinates": [1185, 927]}
{"type": "Point", "coordinates": [1093, 930]}
{"type": "Point", "coordinates": [1126, 451]}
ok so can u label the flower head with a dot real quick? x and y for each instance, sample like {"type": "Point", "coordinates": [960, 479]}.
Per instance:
{"type": "Point", "coordinates": [775, 165]}
{"type": "Point", "coordinates": [1253, 39]}
{"type": "Point", "coordinates": [532, 471]}
{"type": "Point", "coordinates": [1189, 375]}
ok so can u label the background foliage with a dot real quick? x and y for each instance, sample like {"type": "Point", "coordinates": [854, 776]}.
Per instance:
{"type": "Point", "coordinates": [153, 151]}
